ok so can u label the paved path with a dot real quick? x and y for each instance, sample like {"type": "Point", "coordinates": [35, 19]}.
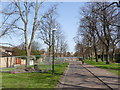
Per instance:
{"type": "Point", "coordinates": [109, 78]}
{"type": "Point", "coordinates": [76, 76]}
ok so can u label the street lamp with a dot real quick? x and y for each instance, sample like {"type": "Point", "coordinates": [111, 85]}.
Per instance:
{"type": "Point", "coordinates": [53, 49]}
{"type": "Point", "coordinates": [90, 51]}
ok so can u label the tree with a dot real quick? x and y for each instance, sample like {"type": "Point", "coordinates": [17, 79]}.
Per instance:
{"type": "Point", "coordinates": [6, 29]}
{"type": "Point", "coordinates": [36, 46]}
{"type": "Point", "coordinates": [26, 19]}
{"type": "Point", "coordinates": [89, 26]}
{"type": "Point", "coordinates": [62, 45]}
{"type": "Point", "coordinates": [81, 47]}
{"type": "Point", "coordinates": [3, 33]}
{"type": "Point", "coordinates": [99, 26]}
{"type": "Point", "coordinates": [46, 29]}
{"type": "Point", "coordinates": [18, 52]}
{"type": "Point", "coordinates": [106, 31]}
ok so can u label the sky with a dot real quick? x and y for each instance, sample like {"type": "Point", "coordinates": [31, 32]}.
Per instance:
{"type": "Point", "coordinates": [68, 17]}
{"type": "Point", "coordinates": [69, 20]}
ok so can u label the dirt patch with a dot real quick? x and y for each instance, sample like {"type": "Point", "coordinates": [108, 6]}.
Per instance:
{"type": "Point", "coordinates": [27, 70]}
{"type": "Point", "coordinates": [23, 70]}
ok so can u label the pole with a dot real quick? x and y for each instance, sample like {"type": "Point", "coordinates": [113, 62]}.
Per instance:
{"type": "Point", "coordinates": [53, 52]}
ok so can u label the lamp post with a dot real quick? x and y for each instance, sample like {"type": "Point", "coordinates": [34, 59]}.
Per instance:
{"type": "Point", "coordinates": [53, 56]}
{"type": "Point", "coordinates": [90, 51]}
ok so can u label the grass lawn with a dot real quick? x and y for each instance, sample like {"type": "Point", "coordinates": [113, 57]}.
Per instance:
{"type": "Point", "coordinates": [0, 80]}
{"type": "Point", "coordinates": [33, 80]}
{"type": "Point", "coordinates": [112, 67]}
{"type": "Point", "coordinates": [7, 69]}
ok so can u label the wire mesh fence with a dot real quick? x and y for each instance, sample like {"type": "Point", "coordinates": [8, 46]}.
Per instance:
{"type": "Point", "coordinates": [44, 62]}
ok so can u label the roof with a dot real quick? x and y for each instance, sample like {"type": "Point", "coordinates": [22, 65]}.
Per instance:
{"type": "Point", "coordinates": [5, 51]}
{"type": "Point", "coordinates": [4, 54]}
{"type": "Point", "coordinates": [6, 47]}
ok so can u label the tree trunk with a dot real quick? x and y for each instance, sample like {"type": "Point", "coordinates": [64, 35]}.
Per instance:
{"type": "Point", "coordinates": [107, 55]}
{"type": "Point", "coordinates": [28, 51]}
{"type": "Point", "coordinates": [89, 57]}
{"type": "Point", "coordinates": [91, 53]}
{"type": "Point", "coordinates": [96, 56]}
{"type": "Point", "coordinates": [61, 52]}
{"type": "Point", "coordinates": [112, 59]}
{"type": "Point", "coordinates": [94, 46]}
{"type": "Point", "coordinates": [102, 56]}
{"type": "Point", "coordinates": [102, 53]}
{"type": "Point", "coordinates": [83, 53]}
{"type": "Point", "coordinates": [7, 64]}
{"type": "Point", "coordinates": [49, 51]}
{"type": "Point", "coordinates": [28, 59]}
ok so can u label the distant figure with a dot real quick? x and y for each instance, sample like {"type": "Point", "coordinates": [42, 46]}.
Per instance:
{"type": "Point", "coordinates": [82, 60]}
{"type": "Point", "coordinates": [79, 59]}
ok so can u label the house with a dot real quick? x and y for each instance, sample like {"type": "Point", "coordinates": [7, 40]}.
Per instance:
{"type": "Point", "coordinates": [7, 59]}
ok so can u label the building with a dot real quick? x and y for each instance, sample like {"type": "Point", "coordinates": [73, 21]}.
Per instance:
{"type": "Point", "coordinates": [7, 59]}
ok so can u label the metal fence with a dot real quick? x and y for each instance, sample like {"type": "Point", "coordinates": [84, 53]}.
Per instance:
{"type": "Point", "coordinates": [44, 62]}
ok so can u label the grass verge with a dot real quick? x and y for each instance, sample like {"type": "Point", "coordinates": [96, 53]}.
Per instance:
{"type": "Point", "coordinates": [33, 80]}
{"type": "Point", "coordinates": [112, 67]}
